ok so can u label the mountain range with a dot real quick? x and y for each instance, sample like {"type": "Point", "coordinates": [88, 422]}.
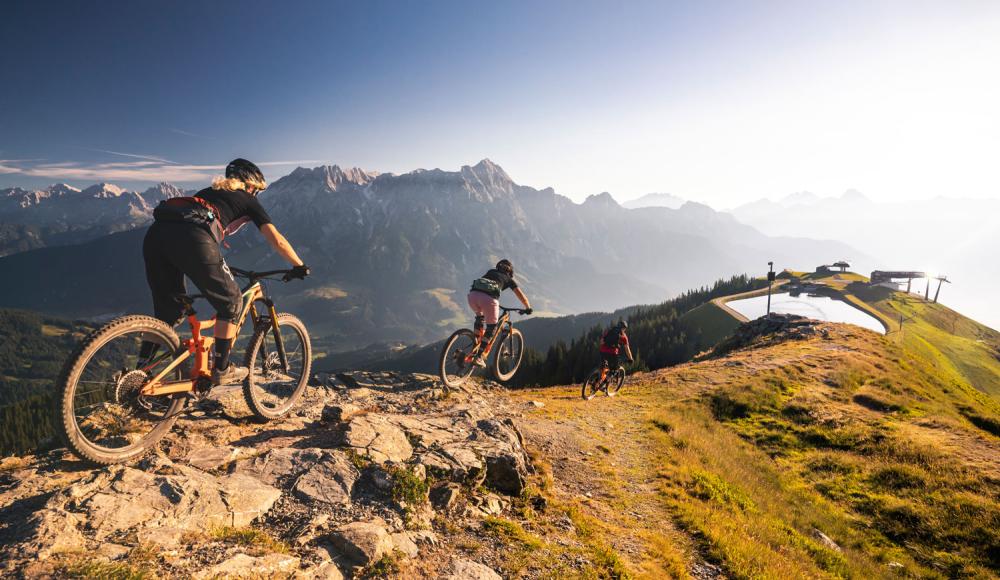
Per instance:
{"type": "Point", "coordinates": [655, 200]}
{"type": "Point", "coordinates": [393, 255]}
{"type": "Point", "coordinates": [62, 214]}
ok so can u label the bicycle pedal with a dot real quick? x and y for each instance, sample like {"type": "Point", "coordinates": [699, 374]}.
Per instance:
{"type": "Point", "coordinates": [202, 387]}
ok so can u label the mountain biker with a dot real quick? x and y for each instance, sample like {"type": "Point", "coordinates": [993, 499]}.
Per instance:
{"type": "Point", "coordinates": [484, 299]}
{"type": "Point", "coordinates": [184, 241]}
{"type": "Point", "coordinates": [613, 341]}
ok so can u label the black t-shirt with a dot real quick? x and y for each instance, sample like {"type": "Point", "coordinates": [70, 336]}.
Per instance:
{"type": "Point", "coordinates": [502, 279]}
{"type": "Point", "coordinates": [235, 207]}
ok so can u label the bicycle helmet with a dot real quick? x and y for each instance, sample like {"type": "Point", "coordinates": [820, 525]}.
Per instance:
{"type": "Point", "coordinates": [622, 324]}
{"type": "Point", "coordinates": [246, 172]}
{"type": "Point", "coordinates": [506, 267]}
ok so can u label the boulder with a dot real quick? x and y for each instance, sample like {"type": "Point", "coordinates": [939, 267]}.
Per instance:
{"type": "Point", "coordinates": [165, 537]}
{"type": "Point", "coordinates": [469, 570]}
{"type": "Point", "coordinates": [340, 412]}
{"type": "Point", "coordinates": [54, 530]}
{"type": "Point", "coordinates": [444, 497]}
{"type": "Point", "coordinates": [280, 465]}
{"type": "Point", "coordinates": [326, 571]}
{"type": "Point", "coordinates": [363, 542]}
{"type": "Point", "coordinates": [402, 542]}
{"type": "Point", "coordinates": [330, 480]}
{"type": "Point", "coordinates": [506, 460]}
{"type": "Point", "coordinates": [507, 472]}
{"type": "Point", "coordinates": [246, 566]}
{"type": "Point", "coordinates": [209, 458]}
{"type": "Point", "coordinates": [377, 438]}
{"type": "Point", "coordinates": [189, 499]}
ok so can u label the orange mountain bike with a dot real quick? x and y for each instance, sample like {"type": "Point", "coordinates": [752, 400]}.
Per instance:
{"type": "Point", "coordinates": [465, 345]}
{"type": "Point", "coordinates": [114, 407]}
{"type": "Point", "coordinates": [604, 379]}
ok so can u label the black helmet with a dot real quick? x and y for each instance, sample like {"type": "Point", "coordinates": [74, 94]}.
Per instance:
{"type": "Point", "coordinates": [622, 324]}
{"type": "Point", "coordinates": [506, 267]}
{"type": "Point", "coordinates": [246, 172]}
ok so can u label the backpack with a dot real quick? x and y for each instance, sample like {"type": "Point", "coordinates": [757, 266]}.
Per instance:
{"type": "Point", "coordinates": [491, 287]}
{"type": "Point", "coordinates": [193, 210]}
{"type": "Point", "coordinates": [612, 338]}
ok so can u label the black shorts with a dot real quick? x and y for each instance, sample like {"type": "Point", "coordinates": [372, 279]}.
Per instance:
{"type": "Point", "coordinates": [610, 359]}
{"type": "Point", "coordinates": [174, 250]}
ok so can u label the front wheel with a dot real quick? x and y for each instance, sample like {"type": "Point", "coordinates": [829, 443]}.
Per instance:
{"type": "Point", "coordinates": [278, 376]}
{"type": "Point", "coordinates": [615, 381]}
{"type": "Point", "coordinates": [592, 385]}
{"type": "Point", "coordinates": [509, 353]}
{"type": "Point", "coordinates": [457, 354]}
{"type": "Point", "coordinates": [101, 414]}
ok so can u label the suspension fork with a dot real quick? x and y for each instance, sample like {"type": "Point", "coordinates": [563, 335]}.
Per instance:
{"type": "Point", "coordinates": [279, 343]}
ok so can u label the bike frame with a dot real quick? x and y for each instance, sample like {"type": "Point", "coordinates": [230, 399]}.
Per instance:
{"type": "Point", "coordinates": [502, 323]}
{"type": "Point", "coordinates": [201, 346]}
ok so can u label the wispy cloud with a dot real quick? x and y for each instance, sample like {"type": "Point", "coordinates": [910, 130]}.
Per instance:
{"type": "Point", "coordinates": [132, 155]}
{"type": "Point", "coordinates": [190, 134]}
{"type": "Point", "coordinates": [149, 169]}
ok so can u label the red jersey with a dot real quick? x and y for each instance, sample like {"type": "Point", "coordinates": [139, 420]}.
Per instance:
{"type": "Point", "coordinates": [608, 343]}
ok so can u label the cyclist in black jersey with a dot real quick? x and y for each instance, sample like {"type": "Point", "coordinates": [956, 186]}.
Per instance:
{"type": "Point", "coordinates": [184, 241]}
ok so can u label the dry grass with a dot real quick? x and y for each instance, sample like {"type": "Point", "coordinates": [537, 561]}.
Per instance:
{"type": "Point", "coordinates": [259, 541]}
{"type": "Point", "coordinates": [887, 445]}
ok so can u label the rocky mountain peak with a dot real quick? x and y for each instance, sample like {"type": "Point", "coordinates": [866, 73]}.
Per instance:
{"type": "Point", "coordinates": [489, 174]}
{"type": "Point", "coordinates": [799, 198]}
{"type": "Point", "coordinates": [667, 200]}
{"type": "Point", "coordinates": [161, 191]}
{"type": "Point", "coordinates": [58, 189]}
{"type": "Point", "coordinates": [103, 191]}
{"type": "Point", "coordinates": [330, 177]}
{"type": "Point", "coordinates": [601, 200]}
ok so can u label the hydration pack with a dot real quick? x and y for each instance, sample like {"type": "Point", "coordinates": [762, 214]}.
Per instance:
{"type": "Point", "coordinates": [612, 338]}
{"type": "Point", "coordinates": [491, 287]}
{"type": "Point", "coordinates": [192, 210]}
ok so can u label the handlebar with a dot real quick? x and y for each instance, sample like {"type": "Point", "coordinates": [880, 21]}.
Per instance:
{"type": "Point", "coordinates": [520, 311]}
{"type": "Point", "coordinates": [254, 276]}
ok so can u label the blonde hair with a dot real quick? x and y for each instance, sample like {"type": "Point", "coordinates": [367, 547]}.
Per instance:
{"type": "Point", "coordinates": [233, 184]}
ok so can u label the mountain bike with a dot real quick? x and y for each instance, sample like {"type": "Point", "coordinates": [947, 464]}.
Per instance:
{"type": "Point", "coordinates": [604, 379]}
{"type": "Point", "coordinates": [465, 345]}
{"type": "Point", "coordinates": [113, 407]}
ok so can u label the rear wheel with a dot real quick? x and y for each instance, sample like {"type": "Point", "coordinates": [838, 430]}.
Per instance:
{"type": "Point", "coordinates": [509, 352]}
{"type": "Point", "coordinates": [592, 385]}
{"type": "Point", "coordinates": [101, 415]}
{"type": "Point", "coordinates": [456, 365]}
{"type": "Point", "coordinates": [276, 383]}
{"type": "Point", "coordinates": [615, 381]}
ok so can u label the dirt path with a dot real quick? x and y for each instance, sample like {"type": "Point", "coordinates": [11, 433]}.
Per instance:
{"type": "Point", "coordinates": [600, 455]}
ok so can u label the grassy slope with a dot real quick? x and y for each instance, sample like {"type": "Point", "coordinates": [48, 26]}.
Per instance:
{"type": "Point", "coordinates": [877, 442]}
{"type": "Point", "coordinates": [962, 349]}
{"type": "Point", "coordinates": [714, 322]}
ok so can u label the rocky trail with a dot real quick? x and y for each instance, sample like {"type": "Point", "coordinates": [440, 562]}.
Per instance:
{"type": "Point", "coordinates": [358, 481]}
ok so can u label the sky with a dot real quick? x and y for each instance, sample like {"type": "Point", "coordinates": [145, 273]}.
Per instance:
{"type": "Point", "coordinates": [719, 102]}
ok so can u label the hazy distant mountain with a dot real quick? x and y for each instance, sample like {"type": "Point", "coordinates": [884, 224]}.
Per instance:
{"type": "Point", "coordinates": [957, 237]}
{"type": "Point", "coordinates": [62, 214]}
{"type": "Point", "coordinates": [393, 255]}
{"type": "Point", "coordinates": [655, 200]}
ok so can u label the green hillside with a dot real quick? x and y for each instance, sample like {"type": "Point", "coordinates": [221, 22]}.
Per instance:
{"type": "Point", "coordinates": [837, 453]}
{"type": "Point", "coordinates": [33, 349]}
{"type": "Point", "coordinates": [662, 335]}
{"type": "Point", "coordinates": [963, 351]}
